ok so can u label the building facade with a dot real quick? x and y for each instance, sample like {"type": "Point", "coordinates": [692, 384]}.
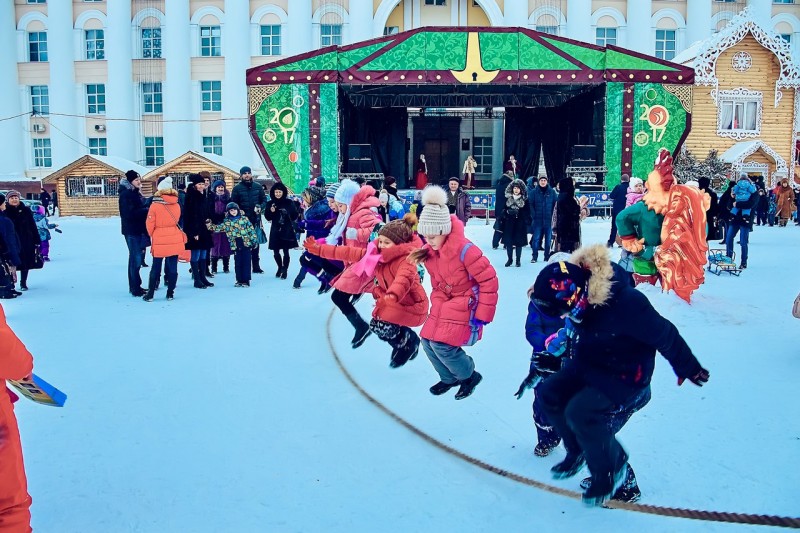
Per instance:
{"type": "Point", "coordinates": [147, 80]}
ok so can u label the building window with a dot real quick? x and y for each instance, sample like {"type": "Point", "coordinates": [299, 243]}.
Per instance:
{"type": "Point", "coordinates": [42, 154]}
{"type": "Point", "coordinates": [605, 36]}
{"type": "Point", "coordinates": [435, 2]}
{"type": "Point", "coordinates": [482, 150]}
{"type": "Point", "coordinates": [552, 30]}
{"type": "Point", "coordinates": [95, 45]}
{"type": "Point", "coordinates": [92, 186]}
{"type": "Point", "coordinates": [37, 1]}
{"type": "Point", "coordinates": [153, 151]}
{"type": "Point", "coordinates": [37, 46]}
{"type": "Point", "coordinates": [151, 98]}
{"type": "Point", "coordinates": [96, 99]}
{"type": "Point", "coordinates": [391, 30]}
{"type": "Point", "coordinates": [211, 95]}
{"type": "Point", "coordinates": [783, 1]}
{"type": "Point", "coordinates": [40, 100]}
{"type": "Point", "coordinates": [786, 37]}
{"type": "Point", "coordinates": [151, 43]}
{"type": "Point", "coordinates": [210, 41]}
{"type": "Point", "coordinates": [330, 34]}
{"type": "Point", "coordinates": [212, 145]}
{"type": "Point", "coordinates": [665, 44]}
{"type": "Point", "coordinates": [98, 146]}
{"type": "Point", "coordinates": [739, 113]}
{"type": "Point", "coordinates": [271, 40]}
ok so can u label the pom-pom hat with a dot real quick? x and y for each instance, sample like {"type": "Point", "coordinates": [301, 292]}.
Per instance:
{"type": "Point", "coordinates": [166, 184]}
{"type": "Point", "coordinates": [346, 192]}
{"type": "Point", "coordinates": [435, 217]}
{"type": "Point", "coordinates": [558, 287]}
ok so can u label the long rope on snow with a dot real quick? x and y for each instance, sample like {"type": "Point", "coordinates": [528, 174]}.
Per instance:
{"type": "Point", "coordinates": [693, 514]}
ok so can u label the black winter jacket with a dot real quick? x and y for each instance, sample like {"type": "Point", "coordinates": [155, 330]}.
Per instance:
{"type": "Point", "coordinates": [282, 230]}
{"type": "Point", "coordinates": [541, 202]}
{"type": "Point", "coordinates": [249, 194]}
{"type": "Point", "coordinates": [499, 196]}
{"type": "Point", "coordinates": [27, 233]}
{"type": "Point", "coordinates": [9, 242]}
{"type": "Point", "coordinates": [132, 209]}
{"type": "Point", "coordinates": [194, 220]}
{"type": "Point", "coordinates": [619, 195]}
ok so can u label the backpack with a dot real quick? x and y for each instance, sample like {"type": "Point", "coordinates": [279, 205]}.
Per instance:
{"type": "Point", "coordinates": [476, 331]}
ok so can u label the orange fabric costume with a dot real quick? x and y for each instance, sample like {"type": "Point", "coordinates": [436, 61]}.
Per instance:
{"type": "Point", "coordinates": [15, 363]}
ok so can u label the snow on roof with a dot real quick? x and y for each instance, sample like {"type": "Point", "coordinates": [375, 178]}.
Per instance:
{"type": "Point", "coordinates": [687, 56]}
{"type": "Point", "coordinates": [120, 163]}
{"type": "Point", "coordinates": [16, 177]}
{"type": "Point", "coordinates": [221, 161]}
{"type": "Point", "coordinates": [739, 150]}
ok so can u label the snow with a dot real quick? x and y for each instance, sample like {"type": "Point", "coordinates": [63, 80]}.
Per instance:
{"type": "Point", "coordinates": [225, 411]}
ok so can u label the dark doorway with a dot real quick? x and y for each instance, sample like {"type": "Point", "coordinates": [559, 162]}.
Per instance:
{"type": "Point", "coordinates": [439, 139]}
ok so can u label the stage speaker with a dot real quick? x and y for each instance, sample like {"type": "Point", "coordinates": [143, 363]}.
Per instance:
{"type": "Point", "coordinates": [584, 152]}
{"type": "Point", "coordinates": [359, 151]}
{"type": "Point", "coordinates": [360, 166]}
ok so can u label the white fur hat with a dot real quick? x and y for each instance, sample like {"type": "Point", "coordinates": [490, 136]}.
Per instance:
{"type": "Point", "coordinates": [166, 184]}
{"type": "Point", "coordinates": [435, 217]}
{"type": "Point", "coordinates": [346, 191]}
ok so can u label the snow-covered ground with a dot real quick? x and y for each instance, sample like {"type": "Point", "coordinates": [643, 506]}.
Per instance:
{"type": "Point", "coordinates": [225, 411]}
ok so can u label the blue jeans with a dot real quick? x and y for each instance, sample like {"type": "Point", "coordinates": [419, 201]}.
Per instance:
{"type": "Point", "coordinates": [733, 229]}
{"type": "Point", "coordinates": [451, 362]}
{"type": "Point", "coordinates": [135, 258]}
{"type": "Point", "coordinates": [538, 232]}
{"type": "Point", "coordinates": [199, 255]}
{"type": "Point", "coordinates": [170, 271]}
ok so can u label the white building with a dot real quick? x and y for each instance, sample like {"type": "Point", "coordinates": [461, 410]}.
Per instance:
{"type": "Point", "coordinates": [147, 80]}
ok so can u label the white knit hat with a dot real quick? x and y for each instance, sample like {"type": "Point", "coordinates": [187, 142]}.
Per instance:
{"type": "Point", "coordinates": [435, 217]}
{"type": "Point", "coordinates": [634, 182]}
{"type": "Point", "coordinates": [346, 191]}
{"type": "Point", "coordinates": [166, 184]}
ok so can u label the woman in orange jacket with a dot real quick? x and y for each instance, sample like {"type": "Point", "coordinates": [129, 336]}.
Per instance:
{"type": "Point", "coordinates": [167, 237]}
{"type": "Point", "coordinates": [15, 363]}
{"type": "Point", "coordinates": [400, 300]}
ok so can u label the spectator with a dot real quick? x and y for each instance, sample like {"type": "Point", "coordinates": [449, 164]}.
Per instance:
{"type": "Point", "coordinates": [740, 222]}
{"type": "Point", "coordinates": [618, 196]}
{"type": "Point", "coordinates": [45, 198]}
{"type": "Point", "coordinates": [28, 234]}
{"type": "Point", "coordinates": [133, 213]}
{"type": "Point", "coordinates": [542, 200]}
{"type": "Point", "coordinates": [704, 184]}
{"type": "Point", "coordinates": [251, 199]}
{"type": "Point", "coordinates": [458, 200]}
{"type": "Point", "coordinates": [499, 205]}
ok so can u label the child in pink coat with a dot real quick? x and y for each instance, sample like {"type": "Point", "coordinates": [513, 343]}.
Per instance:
{"type": "Point", "coordinates": [635, 191]}
{"type": "Point", "coordinates": [464, 295]}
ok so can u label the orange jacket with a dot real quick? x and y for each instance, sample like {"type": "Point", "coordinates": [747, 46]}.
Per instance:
{"type": "Point", "coordinates": [162, 225]}
{"type": "Point", "coordinates": [15, 363]}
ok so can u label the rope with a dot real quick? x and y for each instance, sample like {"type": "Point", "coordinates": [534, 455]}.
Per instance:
{"type": "Point", "coordinates": [693, 514]}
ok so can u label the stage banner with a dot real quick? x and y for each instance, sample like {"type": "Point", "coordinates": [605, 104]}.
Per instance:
{"type": "Point", "coordinates": [661, 120]}
{"type": "Point", "coordinates": [597, 199]}
{"type": "Point", "coordinates": [480, 200]}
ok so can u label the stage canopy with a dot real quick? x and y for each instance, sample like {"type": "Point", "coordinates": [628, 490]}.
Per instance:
{"type": "Point", "coordinates": [296, 104]}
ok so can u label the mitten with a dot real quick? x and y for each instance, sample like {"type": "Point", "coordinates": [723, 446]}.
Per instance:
{"type": "Point", "coordinates": [351, 233]}
{"type": "Point", "coordinates": [699, 379]}
{"type": "Point", "coordinates": [546, 363]}
{"type": "Point", "coordinates": [528, 383]}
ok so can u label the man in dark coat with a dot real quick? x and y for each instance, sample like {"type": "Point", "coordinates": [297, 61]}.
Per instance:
{"type": "Point", "coordinates": [44, 197]}
{"type": "Point", "coordinates": [618, 196]}
{"type": "Point", "coordinates": [197, 233]}
{"type": "Point", "coordinates": [251, 199]}
{"type": "Point", "coordinates": [711, 214]}
{"type": "Point", "coordinates": [499, 204]}
{"type": "Point", "coordinates": [133, 214]}
{"type": "Point", "coordinates": [541, 200]}
{"type": "Point", "coordinates": [9, 253]}
{"type": "Point", "coordinates": [614, 333]}
{"type": "Point", "coordinates": [740, 222]}
{"type": "Point", "coordinates": [28, 234]}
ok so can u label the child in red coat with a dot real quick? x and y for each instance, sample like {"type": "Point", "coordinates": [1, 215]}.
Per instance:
{"type": "Point", "coordinates": [464, 295]}
{"type": "Point", "coordinates": [400, 300]}
{"type": "Point", "coordinates": [15, 363]}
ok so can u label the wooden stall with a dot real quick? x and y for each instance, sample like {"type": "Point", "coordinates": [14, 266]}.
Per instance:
{"type": "Point", "coordinates": [192, 162]}
{"type": "Point", "coordinates": [89, 186]}
{"type": "Point", "coordinates": [745, 99]}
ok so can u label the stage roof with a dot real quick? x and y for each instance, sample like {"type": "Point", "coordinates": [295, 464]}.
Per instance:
{"type": "Point", "coordinates": [465, 56]}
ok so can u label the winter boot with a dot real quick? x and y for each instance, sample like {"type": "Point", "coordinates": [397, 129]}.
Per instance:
{"type": "Point", "coordinates": [468, 385]}
{"type": "Point", "coordinates": [543, 448]}
{"type": "Point", "coordinates": [256, 263]}
{"type": "Point", "coordinates": [519, 253]}
{"type": "Point", "coordinates": [604, 486]}
{"type": "Point", "coordinates": [570, 466]}
{"type": "Point", "coordinates": [214, 264]}
{"type": "Point", "coordinates": [406, 351]}
{"type": "Point", "coordinates": [279, 262]}
{"type": "Point", "coordinates": [628, 492]}
{"type": "Point", "coordinates": [207, 270]}
{"type": "Point", "coordinates": [361, 327]}
{"type": "Point", "coordinates": [509, 251]}
{"type": "Point", "coordinates": [226, 262]}
{"type": "Point", "coordinates": [197, 276]}
{"type": "Point", "coordinates": [203, 277]}
{"type": "Point", "coordinates": [298, 280]}
{"type": "Point", "coordinates": [148, 296]}
{"type": "Point", "coordinates": [285, 272]}
{"type": "Point", "coordinates": [442, 387]}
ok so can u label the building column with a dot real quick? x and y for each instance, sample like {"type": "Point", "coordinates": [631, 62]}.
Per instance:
{"type": "Point", "coordinates": [361, 16]}
{"type": "Point", "coordinates": [177, 88]}
{"type": "Point", "coordinates": [12, 133]}
{"type": "Point", "coordinates": [64, 96]}
{"type": "Point", "coordinates": [300, 35]}
{"type": "Point", "coordinates": [516, 14]}
{"type": "Point", "coordinates": [698, 21]}
{"type": "Point", "coordinates": [121, 134]}
{"type": "Point", "coordinates": [579, 20]}
{"type": "Point", "coordinates": [762, 12]}
{"type": "Point", "coordinates": [236, 145]}
{"type": "Point", "coordinates": [640, 32]}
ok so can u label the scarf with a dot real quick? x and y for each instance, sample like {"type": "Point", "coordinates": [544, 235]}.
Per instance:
{"type": "Point", "coordinates": [365, 266]}
{"type": "Point", "coordinates": [339, 228]}
{"type": "Point", "coordinates": [515, 201]}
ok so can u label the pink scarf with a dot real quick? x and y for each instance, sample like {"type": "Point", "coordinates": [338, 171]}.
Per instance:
{"type": "Point", "coordinates": [365, 267]}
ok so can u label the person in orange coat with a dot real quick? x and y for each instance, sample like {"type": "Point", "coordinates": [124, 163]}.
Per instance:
{"type": "Point", "coordinates": [464, 296]}
{"type": "Point", "coordinates": [16, 363]}
{"type": "Point", "coordinates": [167, 237]}
{"type": "Point", "coordinates": [785, 201]}
{"type": "Point", "coordinates": [400, 300]}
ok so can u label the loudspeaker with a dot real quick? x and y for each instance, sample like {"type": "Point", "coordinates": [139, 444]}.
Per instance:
{"type": "Point", "coordinates": [359, 151]}
{"type": "Point", "coordinates": [360, 166]}
{"type": "Point", "coordinates": [585, 152]}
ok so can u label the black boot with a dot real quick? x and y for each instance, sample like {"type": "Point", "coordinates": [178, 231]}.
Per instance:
{"type": "Point", "coordinates": [197, 276]}
{"type": "Point", "coordinates": [628, 492]}
{"type": "Point", "coordinates": [406, 350]}
{"type": "Point", "coordinates": [442, 387]}
{"type": "Point", "coordinates": [298, 280]}
{"type": "Point", "coordinates": [570, 466]}
{"type": "Point", "coordinates": [203, 277]}
{"type": "Point", "coordinates": [285, 266]}
{"type": "Point", "coordinates": [544, 447]}
{"type": "Point", "coordinates": [214, 265]}
{"type": "Point", "coordinates": [148, 297]}
{"type": "Point", "coordinates": [519, 254]}
{"type": "Point", "coordinates": [256, 263]}
{"type": "Point", "coordinates": [361, 327]}
{"type": "Point", "coordinates": [279, 262]}
{"type": "Point", "coordinates": [509, 252]}
{"type": "Point", "coordinates": [226, 265]}
{"type": "Point", "coordinates": [468, 385]}
{"type": "Point", "coordinates": [324, 283]}
{"type": "Point", "coordinates": [207, 270]}
{"type": "Point", "coordinates": [604, 486]}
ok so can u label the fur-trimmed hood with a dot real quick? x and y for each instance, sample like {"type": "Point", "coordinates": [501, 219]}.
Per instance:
{"type": "Point", "coordinates": [597, 260]}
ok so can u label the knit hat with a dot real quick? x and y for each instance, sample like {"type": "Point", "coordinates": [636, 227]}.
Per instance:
{"type": "Point", "coordinates": [346, 192]}
{"type": "Point", "coordinates": [232, 205]}
{"type": "Point", "coordinates": [435, 218]}
{"type": "Point", "coordinates": [558, 287]}
{"type": "Point", "coordinates": [131, 175]}
{"type": "Point", "coordinates": [165, 184]}
{"type": "Point", "coordinates": [12, 192]}
{"type": "Point", "coordinates": [331, 192]}
{"type": "Point", "coordinates": [399, 231]}
{"type": "Point", "coordinates": [454, 178]}
{"type": "Point", "coordinates": [315, 194]}
{"type": "Point", "coordinates": [216, 184]}
{"type": "Point", "coordinates": [635, 182]}
{"type": "Point", "coordinates": [383, 197]}
{"type": "Point", "coordinates": [194, 179]}
{"type": "Point", "coordinates": [2, 199]}
{"type": "Point", "coordinates": [245, 170]}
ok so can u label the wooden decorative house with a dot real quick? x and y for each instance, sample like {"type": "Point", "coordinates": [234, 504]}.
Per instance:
{"type": "Point", "coordinates": [192, 162]}
{"type": "Point", "coordinates": [89, 186]}
{"type": "Point", "coordinates": [745, 99]}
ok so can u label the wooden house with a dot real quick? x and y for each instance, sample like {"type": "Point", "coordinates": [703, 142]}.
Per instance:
{"type": "Point", "coordinates": [192, 162]}
{"type": "Point", "coordinates": [745, 99]}
{"type": "Point", "coordinates": [89, 186]}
